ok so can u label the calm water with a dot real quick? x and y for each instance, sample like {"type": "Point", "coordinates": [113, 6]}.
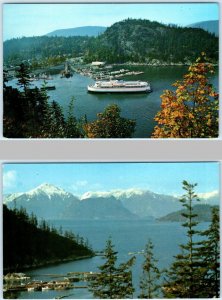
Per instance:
{"type": "Point", "coordinates": [140, 107]}
{"type": "Point", "coordinates": [127, 237]}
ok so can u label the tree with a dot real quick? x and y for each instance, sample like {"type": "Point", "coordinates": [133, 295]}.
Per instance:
{"type": "Point", "coordinates": [191, 111]}
{"type": "Point", "coordinates": [110, 125]}
{"type": "Point", "coordinates": [72, 130]}
{"type": "Point", "coordinates": [151, 274]}
{"type": "Point", "coordinates": [112, 281]}
{"type": "Point", "coordinates": [23, 77]}
{"type": "Point", "coordinates": [209, 252]}
{"type": "Point", "coordinates": [183, 278]}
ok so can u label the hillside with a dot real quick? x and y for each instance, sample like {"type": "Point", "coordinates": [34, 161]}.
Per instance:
{"type": "Point", "coordinates": [145, 41]}
{"type": "Point", "coordinates": [29, 244]}
{"type": "Point", "coordinates": [131, 40]}
{"type": "Point", "coordinates": [78, 31]}
{"type": "Point", "coordinates": [210, 26]}
{"type": "Point", "coordinates": [202, 210]}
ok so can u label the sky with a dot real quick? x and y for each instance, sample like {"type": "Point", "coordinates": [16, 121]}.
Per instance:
{"type": "Point", "coordinates": [39, 19]}
{"type": "Point", "coordinates": [79, 178]}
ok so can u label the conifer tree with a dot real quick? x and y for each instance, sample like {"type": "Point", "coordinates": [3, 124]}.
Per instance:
{"type": "Point", "coordinates": [72, 130]}
{"type": "Point", "coordinates": [183, 278]}
{"type": "Point", "coordinates": [112, 282]}
{"type": "Point", "coordinates": [209, 252]}
{"type": "Point", "coordinates": [23, 77]}
{"type": "Point", "coordinates": [149, 282]}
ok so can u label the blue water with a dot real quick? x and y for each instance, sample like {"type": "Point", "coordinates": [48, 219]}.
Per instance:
{"type": "Point", "coordinates": [127, 236]}
{"type": "Point", "coordinates": [140, 107]}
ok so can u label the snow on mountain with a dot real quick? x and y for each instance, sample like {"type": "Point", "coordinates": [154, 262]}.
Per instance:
{"type": "Point", "coordinates": [48, 189]}
{"type": "Point", "coordinates": [115, 193]}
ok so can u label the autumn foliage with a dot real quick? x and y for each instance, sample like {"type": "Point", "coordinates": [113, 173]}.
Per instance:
{"type": "Point", "coordinates": [192, 110]}
{"type": "Point", "coordinates": [110, 125]}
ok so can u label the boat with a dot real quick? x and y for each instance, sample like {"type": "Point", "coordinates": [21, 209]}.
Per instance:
{"type": "Point", "coordinates": [119, 86]}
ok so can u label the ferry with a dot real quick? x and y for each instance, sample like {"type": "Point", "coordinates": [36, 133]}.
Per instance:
{"type": "Point", "coordinates": [119, 86]}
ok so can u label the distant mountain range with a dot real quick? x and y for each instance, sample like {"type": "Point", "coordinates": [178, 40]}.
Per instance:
{"type": "Point", "coordinates": [50, 202]}
{"type": "Point", "coordinates": [210, 26]}
{"type": "Point", "coordinates": [78, 31]}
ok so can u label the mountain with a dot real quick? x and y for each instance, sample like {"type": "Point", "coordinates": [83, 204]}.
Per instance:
{"type": "Point", "coordinates": [202, 210]}
{"type": "Point", "coordinates": [46, 201]}
{"type": "Point", "coordinates": [50, 202]}
{"type": "Point", "coordinates": [210, 26]}
{"type": "Point", "coordinates": [78, 31]}
{"type": "Point", "coordinates": [100, 208]}
{"type": "Point", "coordinates": [131, 40]}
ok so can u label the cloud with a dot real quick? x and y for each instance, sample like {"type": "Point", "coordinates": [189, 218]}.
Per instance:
{"type": "Point", "coordinates": [208, 195]}
{"type": "Point", "coordinates": [9, 179]}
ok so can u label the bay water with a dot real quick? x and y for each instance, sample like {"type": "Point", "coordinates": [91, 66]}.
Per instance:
{"type": "Point", "coordinates": [127, 236]}
{"type": "Point", "coordinates": [141, 107]}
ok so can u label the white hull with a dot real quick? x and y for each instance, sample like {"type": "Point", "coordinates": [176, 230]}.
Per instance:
{"type": "Point", "coordinates": [119, 90]}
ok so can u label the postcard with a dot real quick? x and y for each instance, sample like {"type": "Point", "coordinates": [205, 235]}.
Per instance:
{"type": "Point", "coordinates": [106, 71]}
{"type": "Point", "coordinates": [111, 230]}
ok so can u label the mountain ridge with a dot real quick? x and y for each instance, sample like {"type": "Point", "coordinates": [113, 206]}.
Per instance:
{"type": "Point", "coordinates": [78, 31]}
{"type": "Point", "coordinates": [59, 204]}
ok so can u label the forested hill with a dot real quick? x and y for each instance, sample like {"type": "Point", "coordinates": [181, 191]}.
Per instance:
{"type": "Point", "coordinates": [144, 41]}
{"type": "Point", "coordinates": [29, 244]}
{"type": "Point", "coordinates": [132, 40]}
{"type": "Point", "coordinates": [203, 212]}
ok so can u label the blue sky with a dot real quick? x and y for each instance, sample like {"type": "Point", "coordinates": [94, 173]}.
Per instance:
{"type": "Point", "coordinates": [38, 19]}
{"type": "Point", "coordinates": [79, 178]}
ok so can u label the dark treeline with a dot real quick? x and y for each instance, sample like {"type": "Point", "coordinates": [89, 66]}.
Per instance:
{"type": "Point", "coordinates": [132, 40]}
{"type": "Point", "coordinates": [28, 242]}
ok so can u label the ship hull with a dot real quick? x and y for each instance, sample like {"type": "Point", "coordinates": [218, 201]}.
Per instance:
{"type": "Point", "coordinates": [118, 90]}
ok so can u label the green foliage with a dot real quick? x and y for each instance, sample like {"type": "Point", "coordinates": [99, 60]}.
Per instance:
{"type": "Point", "coordinates": [26, 245]}
{"type": "Point", "coordinates": [149, 283]}
{"type": "Point", "coordinates": [110, 125]}
{"type": "Point", "coordinates": [113, 282]}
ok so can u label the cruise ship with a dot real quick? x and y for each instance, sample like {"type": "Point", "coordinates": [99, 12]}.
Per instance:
{"type": "Point", "coordinates": [119, 86]}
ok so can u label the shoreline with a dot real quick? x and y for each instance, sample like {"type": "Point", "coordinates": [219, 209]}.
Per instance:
{"type": "Point", "coordinates": [46, 263]}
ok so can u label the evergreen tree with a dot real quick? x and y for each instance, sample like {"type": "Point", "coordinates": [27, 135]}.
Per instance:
{"type": "Point", "coordinates": [112, 281]}
{"type": "Point", "coordinates": [209, 252]}
{"type": "Point", "coordinates": [183, 278]}
{"type": "Point", "coordinates": [23, 77]}
{"type": "Point", "coordinates": [149, 282]}
{"type": "Point", "coordinates": [72, 130]}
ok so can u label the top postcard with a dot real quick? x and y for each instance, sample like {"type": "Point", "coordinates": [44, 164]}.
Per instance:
{"type": "Point", "coordinates": [106, 71]}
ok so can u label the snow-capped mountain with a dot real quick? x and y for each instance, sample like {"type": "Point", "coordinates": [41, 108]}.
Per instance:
{"type": "Point", "coordinates": [50, 202]}
{"type": "Point", "coordinates": [46, 201]}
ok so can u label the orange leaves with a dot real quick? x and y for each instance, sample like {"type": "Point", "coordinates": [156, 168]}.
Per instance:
{"type": "Point", "coordinates": [189, 111]}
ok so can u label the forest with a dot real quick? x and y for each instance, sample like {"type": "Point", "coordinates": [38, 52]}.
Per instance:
{"type": "Point", "coordinates": [28, 242]}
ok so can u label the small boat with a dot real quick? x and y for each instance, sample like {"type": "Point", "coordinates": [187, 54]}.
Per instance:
{"type": "Point", "coordinates": [48, 87]}
{"type": "Point", "coordinates": [119, 86]}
